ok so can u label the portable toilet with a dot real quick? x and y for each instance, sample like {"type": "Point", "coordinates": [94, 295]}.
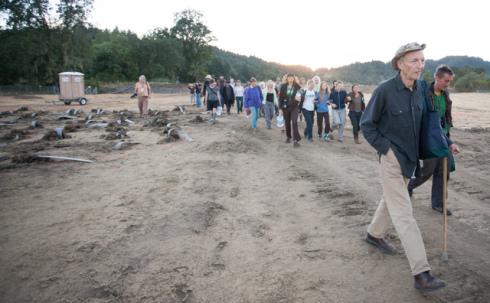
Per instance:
{"type": "Point", "coordinates": [72, 88]}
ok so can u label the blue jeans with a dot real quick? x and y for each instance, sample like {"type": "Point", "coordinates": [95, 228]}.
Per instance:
{"type": "Point", "coordinates": [239, 104]}
{"type": "Point", "coordinates": [308, 114]}
{"type": "Point", "coordinates": [198, 100]}
{"type": "Point", "coordinates": [255, 116]}
{"type": "Point", "coordinates": [269, 113]}
{"type": "Point", "coordinates": [338, 116]}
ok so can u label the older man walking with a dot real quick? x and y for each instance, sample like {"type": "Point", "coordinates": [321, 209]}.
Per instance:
{"type": "Point", "coordinates": [391, 123]}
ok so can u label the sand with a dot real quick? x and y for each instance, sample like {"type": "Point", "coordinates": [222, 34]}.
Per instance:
{"type": "Point", "coordinates": [233, 216]}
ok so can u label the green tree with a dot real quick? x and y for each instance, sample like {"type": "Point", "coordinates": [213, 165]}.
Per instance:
{"type": "Point", "coordinates": [195, 36]}
{"type": "Point", "coordinates": [73, 13]}
{"type": "Point", "coordinates": [25, 13]}
{"type": "Point", "coordinates": [115, 56]}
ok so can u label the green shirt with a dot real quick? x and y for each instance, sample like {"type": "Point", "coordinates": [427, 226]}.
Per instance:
{"type": "Point", "coordinates": [440, 106]}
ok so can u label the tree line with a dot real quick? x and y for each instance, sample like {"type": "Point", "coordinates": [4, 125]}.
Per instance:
{"type": "Point", "coordinates": [37, 44]}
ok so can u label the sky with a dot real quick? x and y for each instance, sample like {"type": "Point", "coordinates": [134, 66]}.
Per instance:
{"type": "Point", "coordinates": [318, 33]}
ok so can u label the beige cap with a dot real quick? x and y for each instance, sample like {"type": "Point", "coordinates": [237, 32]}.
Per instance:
{"type": "Point", "coordinates": [404, 49]}
{"type": "Point", "coordinates": [208, 77]}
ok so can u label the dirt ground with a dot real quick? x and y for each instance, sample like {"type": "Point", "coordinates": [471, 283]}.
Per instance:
{"type": "Point", "coordinates": [233, 216]}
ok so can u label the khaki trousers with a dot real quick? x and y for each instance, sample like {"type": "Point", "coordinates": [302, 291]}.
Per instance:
{"type": "Point", "coordinates": [396, 204]}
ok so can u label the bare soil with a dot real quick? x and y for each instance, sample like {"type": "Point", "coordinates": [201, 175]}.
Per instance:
{"type": "Point", "coordinates": [234, 216]}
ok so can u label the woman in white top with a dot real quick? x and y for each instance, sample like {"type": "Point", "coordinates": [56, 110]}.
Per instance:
{"type": "Point", "coordinates": [308, 109]}
{"type": "Point", "coordinates": [269, 103]}
{"type": "Point", "coordinates": [239, 96]}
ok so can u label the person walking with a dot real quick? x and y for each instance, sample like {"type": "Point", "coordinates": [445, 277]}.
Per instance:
{"type": "Point", "coordinates": [322, 114]}
{"type": "Point", "coordinates": [289, 99]}
{"type": "Point", "coordinates": [356, 106]}
{"type": "Point", "coordinates": [318, 82]}
{"type": "Point", "coordinates": [197, 95]}
{"type": "Point", "coordinates": [192, 92]}
{"type": "Point", "coordinates": [391, 124]}
{"type": "Point", "coordinates": [213, 99]}
{"type": "Point", "coordinates": [238, 89]}
{"type": "Point", "coordinates": [228, 96]}
{"type": "Point", "coordinates": [438, 96]}
{"type": "Point", "coordinates": [205, 87]}
{"type": "Point", "coordinates": [269, 103]}
{"type": "Point", "coordinates": [143, 90]}
{"type": "Point", "coordinates": [337, 98]}
{"type": "Point", "coordinates": [252, 101]}
{"type": "Point", "coordinates": [308, 108]}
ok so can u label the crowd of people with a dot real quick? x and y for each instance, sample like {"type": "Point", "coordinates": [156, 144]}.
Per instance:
{"type": "Point", "coordinates": [392, 123]}
{"type": "Point", "coordinates": [288, 99]}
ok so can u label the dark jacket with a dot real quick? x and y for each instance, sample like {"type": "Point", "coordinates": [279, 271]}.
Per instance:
{"type": "Point", "coordinates": [448, 118]}
{"type": "Point", "coordinates": [338, 98]}
{"type": "Point", "coordinates": [392, 119]}
{"type": "Point", "coordinates": [227, 93]}
{"type": "Point", "coordinates": [351, 105]}
{"type": "Point", "coordinates": [284, 100]}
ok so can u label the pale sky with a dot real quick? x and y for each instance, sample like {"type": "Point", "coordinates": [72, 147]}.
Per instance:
{"type": "Point", "coordinates": [318, 33]}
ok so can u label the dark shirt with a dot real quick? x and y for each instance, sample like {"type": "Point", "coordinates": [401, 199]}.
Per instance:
{"type": "Point", "coordinates": [338, 98]}
{"type": "Point", "coordinates": [227, 93]}
{"type": "Point", "coordinates": [212, 93]}
{"type": "Point", "coordinates": [392, 119]}
{"type": "Point", "coordinates": [269, 97]}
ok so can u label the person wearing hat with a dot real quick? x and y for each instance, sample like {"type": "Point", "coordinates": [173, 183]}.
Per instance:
{"type": "Point", "coordinates": [391, 123]}
{"type": "Point", "coordinates": [252, 100]}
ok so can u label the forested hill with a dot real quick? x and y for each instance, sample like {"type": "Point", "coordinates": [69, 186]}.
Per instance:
{"type": "Point", "coordinates": [242, 67]}
{"type": "Point", "coordinates": [38, 43]}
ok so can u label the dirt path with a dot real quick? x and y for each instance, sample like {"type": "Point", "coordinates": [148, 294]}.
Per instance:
{"type": "Point", "coordinates": [234, 216]}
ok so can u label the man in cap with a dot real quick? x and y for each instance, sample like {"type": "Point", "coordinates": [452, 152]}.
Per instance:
{"type": "Point", "coordinates": [391, 123]}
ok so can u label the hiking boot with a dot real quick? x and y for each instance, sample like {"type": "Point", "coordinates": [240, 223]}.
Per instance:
{"type": "Point", "coordinates": [439, 209]}
{"type": "Point", "coordinates": [288, 140]}
{"type": "Point", "coordinates": [426, 282]}
{"type": "Point", "coordinates": [296, 144]}
{"type": "Point", "coordinates": [384, 245]}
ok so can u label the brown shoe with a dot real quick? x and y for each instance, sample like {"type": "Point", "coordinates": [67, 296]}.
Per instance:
{"type": "Point", "coordinates": [426, 282]}
{"type": "Point", "coordinates": [356, 139]}
{"type": "Point", "coordinates": [384, 245]}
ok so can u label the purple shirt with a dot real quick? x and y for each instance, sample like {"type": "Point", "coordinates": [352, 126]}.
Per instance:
{"type": "Point", "coordinates": [252, 97]}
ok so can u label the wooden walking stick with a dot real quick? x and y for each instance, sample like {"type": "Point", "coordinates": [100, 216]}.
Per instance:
{"type": "Point", "coordinates": [444, 211]}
